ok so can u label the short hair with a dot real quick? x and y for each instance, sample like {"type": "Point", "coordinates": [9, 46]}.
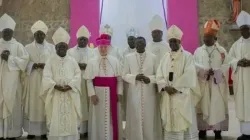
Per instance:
{"type": "Point", "coordinates": [140, 37]}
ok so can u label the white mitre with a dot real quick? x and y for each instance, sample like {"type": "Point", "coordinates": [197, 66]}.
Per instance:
{"type": "Point", "coordinates": [61, 35]}
{"type": "Point", "coordinates": [132, 32]}
{"type": "Point", "coordinates": [106, 29]}
{"type": "Point", "coordinates": [83, 32]}
{"type": "Point", "coordinates": [174, 32]}
{"type": "Point", "coordinates": [7, 22]}
{"type": "Point", "coordinates": [243, 19]}
{"type": "Point", "coordinates": [39, 26]}
{"type": "Point", "coordinates": [156, 23]}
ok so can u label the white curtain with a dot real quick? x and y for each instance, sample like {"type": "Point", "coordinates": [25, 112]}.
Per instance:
{"type": "Point", "coordinates": [123, 14]}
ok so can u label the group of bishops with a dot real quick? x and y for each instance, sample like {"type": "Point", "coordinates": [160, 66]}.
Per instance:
{"type": "Point", "coordinates": [162, 91]}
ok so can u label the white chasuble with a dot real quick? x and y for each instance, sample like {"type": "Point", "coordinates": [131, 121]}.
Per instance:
{"type": "Point", "coordinates": [62, 108]}
{"type": "Point", "coordinates": [101, 125]}
{"type": "Point", "coordinates": [83, 55]}
{"type": "Point", "coordinates": [241, 78]}
{"type": "Point", "coordinates": [177, 111]}
{"type": "Point", "coordinates": [142, 116]}
{"type": "Point", "coordinates": [34, 115]}
{"type": "Point", "coordinates": [11, 88]}
{"type": "Point", "coordinates": [214, 103]}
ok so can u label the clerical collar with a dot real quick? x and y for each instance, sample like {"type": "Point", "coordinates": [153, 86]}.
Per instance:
{"type": "Point", "coordinates": [7, 42]}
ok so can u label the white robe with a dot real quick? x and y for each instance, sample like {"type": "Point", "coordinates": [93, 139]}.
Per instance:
{"type": "Point", "coordinates": [83, 55]}
{"type": "Point", "coordinates": [34, 115]}
{"type": "Point", "coordinates": [62, 108]}
{"type": "Point", "coordinates": [11, 88]}
{"type": "Point", "coordinates": [100, 113]}
{"type": "Point", "coordinates": [214, 103]}
{"type": "Point", "coordinates": [125, 52]}
{"type": "Point", "coordinates": [142, 122]}
{"type": "Point", "coordinates": [241, 80]}
{"type": "Point", "coordinates": [177, 111]}
{"type": "Point", "coordinates": [159, 49]}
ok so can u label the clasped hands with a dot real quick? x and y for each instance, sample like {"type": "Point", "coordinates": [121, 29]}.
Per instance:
{"type": "Point", "coordinates": [5, 55]}
{"type": "Point", "coordinates": [82, 66]}
{"type": "Point", "coordinates": [142, 78]}
{"type": "Point", "coordinates": [170, 90]}
{"type": "Point", "coordinates": [38, 66]}
{"type": "Point", "coordinates": [243, 63]}
{"type": "Point", "coordinates": [62, 88]}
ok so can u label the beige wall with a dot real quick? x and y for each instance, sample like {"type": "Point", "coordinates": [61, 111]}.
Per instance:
{"type": "Point", "coordinates": [55, 13]}
{"type": "Point", "coordinates": [220, 10]}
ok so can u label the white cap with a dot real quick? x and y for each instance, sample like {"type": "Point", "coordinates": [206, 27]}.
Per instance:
{"type": "Point", "coordinates": [7, 22]}
{"type": "Point", "coordinates": [106, 29]}
{"type": "Point", "coordinates": [156, 23]}
{"type": "Point", "coordinates": [83, 31]}
{"type": "Point", "coordinates": [174, 32]}
{"type": "Point", "coordinates": [61, 35]}
{"type": "Point", "coordinates": [243, 19]}
{"type": "Point", "coordinates": [39, 26]}
{"type": "Point", "coordinates": [132, 32]}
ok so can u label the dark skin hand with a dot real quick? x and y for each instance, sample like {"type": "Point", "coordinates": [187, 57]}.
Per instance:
{"type": "Point", "coordinates": [210, 72]}
{"type": "Point", "coordinates": [38, 66]}
{"type": "Point", "coordinates": [82, 66]}
{"type": "Point", "coordinates": [139, 77]}
{"type": "Point", "coordinates": [146, 80]}
{"type": "Point", "coordinates": [244, 63]}
{"type": "Point", "coordinates": [170, 90]}
{"type": "Point", "coordinates": [5, 55]}
{"type": "Point", "coordinates": [63, 88]}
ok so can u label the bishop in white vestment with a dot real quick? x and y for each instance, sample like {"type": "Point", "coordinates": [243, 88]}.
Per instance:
{"type": "Point", "coordinates": [131, 36]}
{"type": "Point", "coordinates": [13, 61]}
{"type": "Point", "coordinates": [212, 69]}
{"type": "Point", "coordinates": [103, 75]}
{"type": "Point", "coordinates": [61, 91]}
{"type": "Point", "coordinates": [139, 71]}
{"type": "Point", "coordinates": [176, 75]}
{"type": "Point", "coordinates": [240, 54]}
{"type": "Point", "coordinates": [158, 46]}
{"type": "Point", "coordinates": [82, 54]}
{"type": "Point", "coordinates": [39, 51]}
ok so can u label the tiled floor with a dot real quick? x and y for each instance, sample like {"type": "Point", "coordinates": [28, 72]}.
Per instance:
{"type": "Point", "coordinates": [234, 130]}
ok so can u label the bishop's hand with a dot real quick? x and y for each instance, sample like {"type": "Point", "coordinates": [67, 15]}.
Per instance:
{"type": "Point", "coordinates": [139, 77]}
{"type": "Point", "coordinates": [34, 66]}
{"type": "Point", "coordinates": [59, 88]}
{"type": "Point", "coordinates": [5, 55]}
{"type": "Point", "coordinates": [41, 65]}
{"type": "Point", "coordinates": [242, 63]}
{"type": "Point", "coordinates": [66, 88]}
{"type": "Point", "coordinates": [94, 99]}
{"type": "Point", "coordinates": [170, 90]}
{"type": "Point", "coordinates": [210, 72]}
{"type": "Point", "coordinates": [82, 66]}
{"type": "Point", "coordinates": [146, 80]}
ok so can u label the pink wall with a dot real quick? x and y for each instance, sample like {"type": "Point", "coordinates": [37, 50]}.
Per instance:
{"type": "Point", "coordinates": [84, 12]}
{"type": "Point", "coordinates": [184, 14]}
